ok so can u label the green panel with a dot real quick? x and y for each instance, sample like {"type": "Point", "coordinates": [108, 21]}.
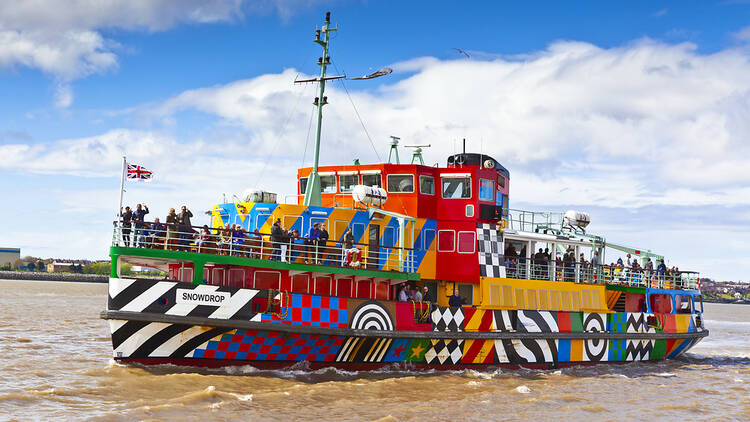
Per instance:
{"type": "Point", "coordinates": [417, 350]}
{"type": "Point", "coordinates": [202, 258]}
{"type": "Point", "coordinates": [617, 288]}
{"type": "Point", "coordinates": [660, 349]}
{"type": "Point", "coordinates": [576, 322]}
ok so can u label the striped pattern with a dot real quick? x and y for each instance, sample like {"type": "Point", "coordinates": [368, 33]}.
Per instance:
{"type": "Point", "coordinates": [139, 339]}
{"type": "Point", "coordinates": [160, 297]}
{"type": "Point", "coordinates": [364, 349]}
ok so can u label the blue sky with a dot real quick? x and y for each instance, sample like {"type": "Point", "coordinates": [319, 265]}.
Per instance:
{"type": "Point", "coordinates": [634, 111]}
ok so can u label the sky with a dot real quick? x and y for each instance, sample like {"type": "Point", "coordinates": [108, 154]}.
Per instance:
{"type": "Point", "coordinates": [636, 112]}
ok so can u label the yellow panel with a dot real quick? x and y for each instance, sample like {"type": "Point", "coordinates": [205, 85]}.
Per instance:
{"type": "Point", "coordinates": [682, 322]}
{"type": "Point", "coordinates": [586, 298]}
{"type": "Point", "coordinates": [576, 350]}
{"type": "Point", "coordinates": [565, 296]}
{"type": "Point", "coordinates": [576, 301]}
{"type": "Point", "coordinates": [554, 300]}
{"type": "Point", "coordinates": [531, 298]}
{"type": "Point", "coordinates": [543, 299]}
{"type": "Point", "coordinates": [495, 295]}
{"type": "Point", "coordinates": [519, 299]}
{"type": "Point", "coordinates": [596, 300]}
{"type": "Point", "coordinates": [507, 296]}
{"type": "Point", "coordinates": [552, 295]}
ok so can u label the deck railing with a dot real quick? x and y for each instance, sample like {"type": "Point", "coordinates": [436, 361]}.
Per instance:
{"type": "Point", "coordinates": [260, 246]}
{"type": "Point", "coordinates": [601, 274]}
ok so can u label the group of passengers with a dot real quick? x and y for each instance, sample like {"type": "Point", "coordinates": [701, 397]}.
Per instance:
{"type": "Point", "coordinates": [177, 233]}
{"type": "Point", "coordinates": [566, 263]}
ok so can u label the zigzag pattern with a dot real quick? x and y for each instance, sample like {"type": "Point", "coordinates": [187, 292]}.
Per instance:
{"type": "Point", "coordinates": [639, 350]}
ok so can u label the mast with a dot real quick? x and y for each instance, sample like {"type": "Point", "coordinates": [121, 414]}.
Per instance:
{"type": "Point", "coordinates": [312, 192]}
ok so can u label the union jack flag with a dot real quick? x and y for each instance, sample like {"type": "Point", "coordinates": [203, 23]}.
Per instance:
{"type": "Point", "coordinates": [137, 172]}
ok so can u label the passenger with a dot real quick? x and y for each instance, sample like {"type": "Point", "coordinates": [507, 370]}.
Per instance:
{"type": "Point", "coordinates": [138, 217]}
{"type": "Point", "coordinates": [202, 239]}
{"type": "Point", "coordinates": [277, 236]}
{"type": "Point", "coordinates": [156, 232]}
{"type": "Point", "coordinates": [171, 230]}
{"type": "Point", "coordinates": [582, 267]}
{"type": "Point", "coordinates": [418, 296]}
{"type": "Point", "coordinates": [238, 237]}
{"type": "Point", "coordinates": [185, 227]}
{"type": "Point", "coordinates": [628, 264]}
{"type": "Point", "coordinates": [127, 217]}
{"type": "Point", "coordinates": [312, 243]}
{"type": "Point", "coordinates": [347, 243]}
{"type": "Point", "coordinates": [402, 296]}
{"type": "Point", "coordinates": [426, 296]}
{"type": "Point", "coordinates": [254, 243]}
{"type": "Point", "coordinates": [323, 239]}
{"type": "Point", "coordinates": [661, 269]}
{"type": "Point", "coordinates": [225, 240]}
{"type": "Point", "coordinates": [455, 301]}
{"type": "Point", "coordinates": [285, 240]}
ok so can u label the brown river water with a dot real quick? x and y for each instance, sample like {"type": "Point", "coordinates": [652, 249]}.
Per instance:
{"type": "Point", "coordinates": [56, 364]}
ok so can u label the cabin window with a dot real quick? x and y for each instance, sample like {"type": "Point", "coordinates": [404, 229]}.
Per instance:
{"type": "Point", "coordinates": [328, 183]}
{"type": "Point", "coordinates": [401, 183]}
{"type": "Point", "coordinates": [264, 280]}
{"type": "Point", "coordinates": [446, 241]}
{"type": "Point", "coordinates": [500, 181]}
{"type": "Point", "coordinates": [698, 303]}
{"type": "Point", "coordinates": [381, 290]}
{"type": "Point", "coordinates": [217, 276]}
{"type": "Point", "coordinates": [486, 190]}
{"type": "Point", "coordinates": [261, 219]}
{"type": "Point", "coordinates": [456, 187]}
{"type": "Point", "coordinates": [323, 285]}
{"type": "Point", "coordinates": [429, 238]}
{"type": "Point", "coordinates": [466, 242]}
{"type": "Point", "coordinates": [344, 287]}
{"type": "Point", "coordinates": [661, 303]}
{"type": "Point", "coordinates": [302, 184]}
{"type": "Point", "coordinates": [186, 275]}
{"type": "Point", "coordinates": [373, 179]}
{"type": "Point", "coordinates": [348, 181]}
{"type": "Point", "coordinates": [287, 223]}
{"type": "Point", "coordinates": [683, 304]}
{"type": "Point", "coordinates": [467, 293]}
{"type": "Point", "coordinates": [363, 289]}
{"type": "Point", "coordinates": [236, 277]}
{"type": "Point", "coordinates": [427, 185]}
{"type": "Point", "coordinates": [299, 283]}
{"type": "Point", "coordinates": [470, 210]}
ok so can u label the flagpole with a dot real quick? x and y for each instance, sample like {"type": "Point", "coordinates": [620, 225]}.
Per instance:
{"type": "Point", "coordinates": [122, 186]}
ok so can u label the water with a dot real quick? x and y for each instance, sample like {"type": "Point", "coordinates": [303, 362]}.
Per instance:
{"type": "Point", "coordinates": [55, 362]}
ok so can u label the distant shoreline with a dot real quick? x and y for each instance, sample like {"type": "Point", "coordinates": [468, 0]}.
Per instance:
{"type": "Point", "coordinates": [31, 275]}
{"type": "Point", "coordinates": [728, 301]}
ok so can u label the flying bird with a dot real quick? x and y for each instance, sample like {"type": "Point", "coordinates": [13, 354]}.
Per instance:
{"type": "Point", "coordinates": [462, 52]}
{"type": "Point", "coordinates": [382, 72]}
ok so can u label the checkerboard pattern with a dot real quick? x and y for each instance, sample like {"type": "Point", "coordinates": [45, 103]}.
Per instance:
{"type": "Point", "coordinates": [444, 352]}
{"type": "Point", "coordinates": [490, 243]}
{"type": "Point", "coordinates": [316, 311]}
{"type": "Point", "coordinates": [265, 345]}
{"type": "Point", "coordinates": [447, 319]}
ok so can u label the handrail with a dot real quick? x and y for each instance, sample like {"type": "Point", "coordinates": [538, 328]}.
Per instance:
{"type": "Point", "coordinates": [577, 272]}
{"type": "Point", "coordinates": [258, 245]}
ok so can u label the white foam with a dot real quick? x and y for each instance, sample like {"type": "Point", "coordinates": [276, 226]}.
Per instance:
{"type": "Point", "coordinates": [523, 389]}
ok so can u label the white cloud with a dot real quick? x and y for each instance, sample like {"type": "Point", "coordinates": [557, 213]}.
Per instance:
{"type": "Point", "coordinates": [743, 34]}
{"type": "Point", "coordinates": [65, 40]}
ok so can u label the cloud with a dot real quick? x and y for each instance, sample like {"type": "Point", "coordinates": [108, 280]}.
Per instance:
{"type": "Point", "coordinates": [743, 34]}
{"type": "Point", "coordinates": [659, 13]}
{"type": "Point", "coordinates": [66, 42]}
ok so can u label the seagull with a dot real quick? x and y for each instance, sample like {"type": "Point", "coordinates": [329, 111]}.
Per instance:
{"type": "Point", "coordinates": [462, 52]}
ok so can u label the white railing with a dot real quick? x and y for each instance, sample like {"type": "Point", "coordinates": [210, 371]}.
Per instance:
{"type": "Point", "coordinates": [577, 272]}
{"type": "Point", "coordinates": [297, 250]}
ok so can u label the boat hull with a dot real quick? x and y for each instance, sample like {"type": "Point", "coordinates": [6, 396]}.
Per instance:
{"type": "Point", "coordinates": [224, 326]}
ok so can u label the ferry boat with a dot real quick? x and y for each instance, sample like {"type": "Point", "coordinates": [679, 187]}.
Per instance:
{"type": "Point", "coordinates": [246, 293]}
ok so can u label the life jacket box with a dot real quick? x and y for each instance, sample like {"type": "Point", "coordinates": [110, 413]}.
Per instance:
{"type": "Point", "coordinates": [258, 195]}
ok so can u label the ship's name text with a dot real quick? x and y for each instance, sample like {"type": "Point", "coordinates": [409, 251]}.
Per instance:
{"type": "Point", "coordinates": [202, 298]}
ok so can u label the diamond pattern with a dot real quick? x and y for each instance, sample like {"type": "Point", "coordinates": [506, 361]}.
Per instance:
{"type": "Point", "coordinates": [444, 351]}
{"type": "Point", "coordinates": [448, 319]}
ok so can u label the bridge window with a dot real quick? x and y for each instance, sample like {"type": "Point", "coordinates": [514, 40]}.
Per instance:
{"type": "Point", "coordinates": [467, 242]}
{"type": "Point", "coordinates": [427, 185]}
{"type": "Point", "coordinates": [446, 241]}
{"type": "Point", "coordinates": [372, 179]}
{"type": "Point", "coordinates": [328, 183]}
{"type": "Point", "coordinates": [683, 304]}
{"type": "Point", "coordinates": [302, 184]}
{"type": "Point", "coordinates": [698, 303]}
{"type": "Point", "coordinates": [500, 181]}
{"type": "Point", "coordinates": [348, 181]}
{"type": "Point", "coordinates": [486, 190]}
{"type": "Point", "coordinates": [429, 237]}
{"type": "Point", "coordinates": [401, 183]}
{"type": "Point", "coordinates": [456, 186]}
{"type": "Point", "coordinates": [661, 303]}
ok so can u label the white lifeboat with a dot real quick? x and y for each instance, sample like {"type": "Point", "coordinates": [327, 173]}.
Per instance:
{"type": "Point", "coordinates": [578, 219]}
{"type": "Point", "coordinates": [369, 195]}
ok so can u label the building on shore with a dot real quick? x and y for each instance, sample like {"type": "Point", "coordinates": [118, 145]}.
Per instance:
{"type": "Point", "coordinates": [9, 255]}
